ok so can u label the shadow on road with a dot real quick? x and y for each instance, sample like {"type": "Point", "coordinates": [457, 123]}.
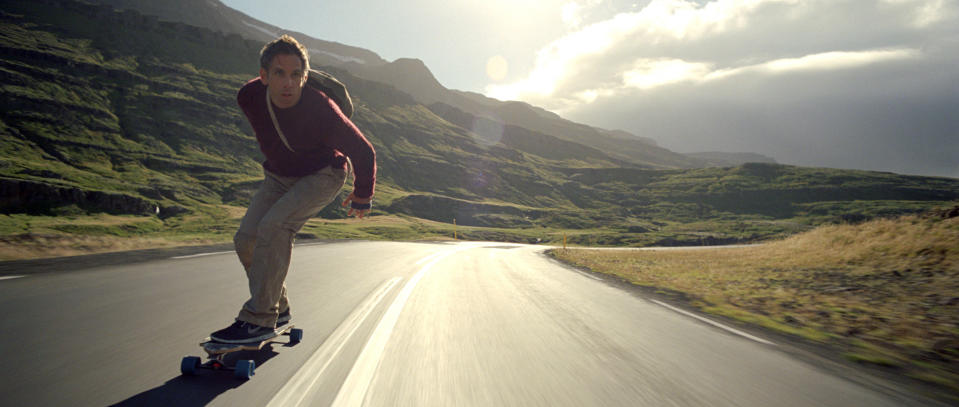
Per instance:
{"type": "Point", "coordinates": [201, 389]}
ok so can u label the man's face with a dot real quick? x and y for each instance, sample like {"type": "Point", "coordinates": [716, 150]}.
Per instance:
{"type": "Point", "coordinates": [284, 80]}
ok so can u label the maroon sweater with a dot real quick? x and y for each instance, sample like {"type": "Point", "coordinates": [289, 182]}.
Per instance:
{"type": "Point", "coordinates": [316, 129]}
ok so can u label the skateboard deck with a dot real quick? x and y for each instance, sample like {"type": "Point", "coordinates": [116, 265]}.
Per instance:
{"type": "Point", "coordinates": [244, 369]}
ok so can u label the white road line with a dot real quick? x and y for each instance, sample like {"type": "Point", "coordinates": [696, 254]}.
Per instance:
{"type": "Point", "coordinates": [297, 389]}
{"type": "Point", "coordinates": [10, 277]}
{"type": "Point", "coordinates": [429, 258]}
{"type": "Point", "coordinates": [585, 274]}
{"type": "Point", "coordinates": [716, 324]}
{"type": "Point", "coordinates": [354, 389]}
{"type": "Point", "coordinates": [310, 244]}
{"type": "Point", "coordinates": [201, 255]}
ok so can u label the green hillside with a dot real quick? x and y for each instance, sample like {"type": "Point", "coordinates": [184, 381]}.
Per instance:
{"type": "Point", "coordinates": [116, 124]}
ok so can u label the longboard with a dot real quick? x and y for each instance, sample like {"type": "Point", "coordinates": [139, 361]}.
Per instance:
{"type": "Point", "coordinates": [216, 351]}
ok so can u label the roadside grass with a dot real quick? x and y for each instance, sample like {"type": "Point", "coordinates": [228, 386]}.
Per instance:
{"type": "Point", "coordinates": [25, 236]}
{"type": "Point", "coordinates": [883, 292]}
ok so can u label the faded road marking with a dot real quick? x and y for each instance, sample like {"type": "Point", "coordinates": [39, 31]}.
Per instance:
{"type": "Point", "coordinates": [716, 324]}
{"type": "Point", "coordinates": [297, 389]}
{"type": "Point", "coordinates": [354, 389]}
{"type": "Point", "coordinates": [201, 255]}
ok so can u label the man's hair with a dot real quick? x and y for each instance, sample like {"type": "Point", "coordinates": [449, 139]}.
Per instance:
{"type": "Point", "coordinates": [284, 45]}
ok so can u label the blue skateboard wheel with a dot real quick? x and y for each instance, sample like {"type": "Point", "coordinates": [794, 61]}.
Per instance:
{"type": "Point", "coordinates": [296, 335]}
{"type": "Point", "coordinates": [244, 369]}
{"type": "Point", "coordinates": [189, 364]}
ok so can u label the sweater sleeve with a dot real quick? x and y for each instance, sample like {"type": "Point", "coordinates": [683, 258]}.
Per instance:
{"type": "Point", "coordinates": [345, 137]}
{"type": "Point", "coordinates": [244, 98]}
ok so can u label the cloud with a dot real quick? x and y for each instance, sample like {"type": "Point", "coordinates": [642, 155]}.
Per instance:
{"type": "Point", "coordinates": [735, 74]}
{"type": "Point", "coordinates": [923, 13]}
{"type": "Point", "coordinates": [650, 73]}
{"type": "Point", "coordinates": [726, 36]}
{"type": "Point", "coordinates": [575, 13]}
{"type": "Point", "coordinates": [827, 61]}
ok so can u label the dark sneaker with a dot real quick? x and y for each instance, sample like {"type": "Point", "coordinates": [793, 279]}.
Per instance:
{"type": "Point", "coordinates": [283, 319]}
{"type": "Point", "coordinates": [243, 332]}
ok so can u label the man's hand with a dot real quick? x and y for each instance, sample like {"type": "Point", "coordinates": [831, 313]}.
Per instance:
{"type": "Point", "coordinates": [355, 200]}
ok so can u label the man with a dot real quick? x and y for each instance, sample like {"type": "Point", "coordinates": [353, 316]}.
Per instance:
{"type": "Point", "coordinates": [306, 149]}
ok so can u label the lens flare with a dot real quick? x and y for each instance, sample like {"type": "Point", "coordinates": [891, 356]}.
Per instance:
{"type": "Point", "coordinates": [487, 132]}
{"type": "Point", "coordinates": [497, 68]}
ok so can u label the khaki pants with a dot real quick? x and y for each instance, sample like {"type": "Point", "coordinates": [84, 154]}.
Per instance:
{"type": "Point", "coordinates": [264, 241]}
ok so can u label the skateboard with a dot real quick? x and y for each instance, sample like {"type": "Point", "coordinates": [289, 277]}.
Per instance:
{"type": "Point", "coordinates": [243, 369]}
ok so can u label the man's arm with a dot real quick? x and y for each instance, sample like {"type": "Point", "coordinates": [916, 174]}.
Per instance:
{"type": "Point", "coordinates": [345, 137]}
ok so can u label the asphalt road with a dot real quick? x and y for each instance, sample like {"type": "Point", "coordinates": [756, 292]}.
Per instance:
{"type": "Point", "coordinates": [394, 324]}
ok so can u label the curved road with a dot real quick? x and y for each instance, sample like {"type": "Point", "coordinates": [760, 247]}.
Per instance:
{"type": "Point", "coordinates": [393, 324]}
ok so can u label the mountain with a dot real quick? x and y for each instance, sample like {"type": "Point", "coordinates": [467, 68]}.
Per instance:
{"type": "Point", "coordinates": [216, 16]}
{"type": "Point", "coordinates": [413, 77]}
{"type": "Point", "coordinates": [115, 112]}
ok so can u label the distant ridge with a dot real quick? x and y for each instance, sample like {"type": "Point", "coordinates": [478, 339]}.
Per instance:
{"type": "Point", "coordinates": [723, 159]}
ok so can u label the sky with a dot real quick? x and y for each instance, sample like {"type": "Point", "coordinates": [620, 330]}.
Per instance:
{"type": "Point", "coordinates": [864, 84]}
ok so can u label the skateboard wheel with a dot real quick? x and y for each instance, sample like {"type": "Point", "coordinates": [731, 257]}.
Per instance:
{"type": "Point", "coordinates": [189, 364]}
{"type": "Point", "coordinates": [244, 369]}
{"type": "Point", "coordinates": [296, 335]}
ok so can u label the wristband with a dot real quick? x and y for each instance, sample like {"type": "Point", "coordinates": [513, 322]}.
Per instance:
{"type": "Point", "coordinates": [360, 206]}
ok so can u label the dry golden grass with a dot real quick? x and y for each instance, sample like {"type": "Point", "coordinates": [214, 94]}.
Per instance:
{"type": "Point", "coordinates": [382, 220]}
{"type": "Point", "coordinates": [885, 292]}
{"type": "Point", "coordinates": [35, 237]}
{"type": "Point", "coordinates": [39, 246]}
{"type": "Point", "coordinates": [233, 212]}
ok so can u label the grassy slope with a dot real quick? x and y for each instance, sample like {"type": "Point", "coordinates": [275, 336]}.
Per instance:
{"type": "Point", "coordinates": [884, 292]}
{"type": "Point", "coordinates": [75, 116]}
